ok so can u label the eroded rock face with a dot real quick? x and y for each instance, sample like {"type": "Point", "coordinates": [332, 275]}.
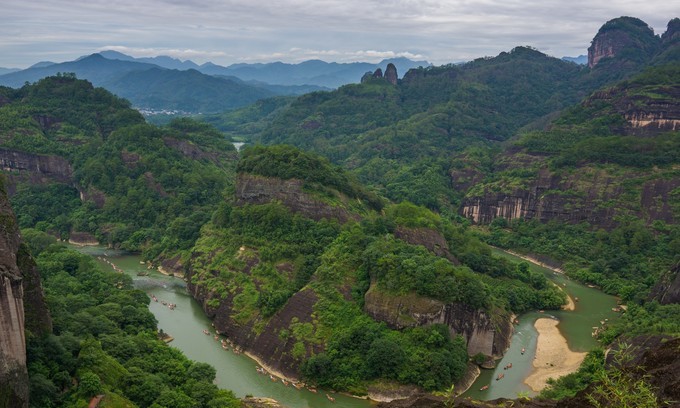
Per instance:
{"type": "Point", "coordinates": [265, 343]}
{"type": "Point", "coordinates": [431, 239]}
{"type": "Point", "coordinates": [378, 73]}
{"type": "Point", "coordinates": [194, 152]}
{"type": "Point", "coordinates": [644, 116]}
{"type": "Point", "coordinates": [580, 196]}
{"type": "Point", "coordinates": [40, 169]}
{"type": "Point", "coordinates": [13, 372]}
{"type": "Point", "coordinates": [672, 34]}
{"type": "Point", "coordinates": [19, 284]}
{"type": "Point", "coordinates": [252, 189]}
{"type": "Point", "coordinates": [485, 333]}
{"type": "Point", "coordinates": [618, 35]}
{"type": "Point", "coordinates": [391, 74]}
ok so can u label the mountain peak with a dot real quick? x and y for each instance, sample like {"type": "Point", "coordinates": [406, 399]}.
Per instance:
{"type": "Point", "coordinates": [619, 34]}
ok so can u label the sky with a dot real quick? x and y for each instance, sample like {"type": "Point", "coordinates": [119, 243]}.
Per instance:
{"type": "Point", "coordinates": [236, 31]}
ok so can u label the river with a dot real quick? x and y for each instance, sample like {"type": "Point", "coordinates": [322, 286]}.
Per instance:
{"type": "Point", "coordinates": [237, 372]}
{"type": "Point", "coordinates": [576, 326]}
{"type": "Point", "coordinates": [186, 323]}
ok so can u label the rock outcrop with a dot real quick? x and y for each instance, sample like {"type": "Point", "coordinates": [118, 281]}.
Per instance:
{"type": "Point", "coordinates": [431, 239]}
{"type": "Point", "coordinates": [252, 189]}
{"type": "Point", "coordinates": [391, 74]}
{"type": "Point", "coordinates": [378, 73]}
{"type": "Point", "coordinates": [619, 35]}
{"type": "Point", "coordinates": [19, 285]}
{"type": "Point", "coordinates": [13, 372]}
{"type": "Point", "coordinates": [487, 333]}
{"type": "Point", "coordinates": [672, 34]}
{"type": "Point", "coordinates": [644, 116]}
{"type": "Point", "coordinates": [580, 196]}
{"type": "Point", "coordinates": [265, 343]}
{"type": "Point", "coordinates": [36, 168]}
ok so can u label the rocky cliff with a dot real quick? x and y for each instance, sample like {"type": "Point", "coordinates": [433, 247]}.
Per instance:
{"type": "Point", "coordinates": [34, 168]}
{"type": "Point", "coordinates": [431, 239]}
{"type": "Point", "coordinates": [13, 372]}
{"type": "Point", "coordinates": [583, 195]}
{"type": "Point", "coordinates": [258, 337]}
{"type": "Point", "coordinates": [644, 115]}
{"type": "Point", "coordinates": [487, 333]}
{"type": "Point", "coordinates": [252, 189]}
{"type": "Point", "coordinates": [19, 285]}
{"type": "Point", "coordinates": [621, 35]}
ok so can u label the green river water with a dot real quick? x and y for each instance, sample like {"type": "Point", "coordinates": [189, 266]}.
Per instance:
{"type": "Point", "coordinates": [237, 372]}
{"type": "Point", "coordinates": [576, 326]}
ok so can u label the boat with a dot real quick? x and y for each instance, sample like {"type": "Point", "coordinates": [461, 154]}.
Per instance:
{"type": "Point", "coordinates": [523, 350]}
{"type": "Point", "coordinates": [508, 366]}
{"type": "Point", "coordinates": [331, 399]}
{"type": "Point", "coordinates": [284, 382]}
{"type": "Point", "coordinates": [312, 390]}
{"type": "Point", "coordinates": [206, 332]}
{"type": "Point", "coordinates": [484, 388]}
{"type": "Point", "coordinates": [500, 376]}
{"type": "Point", "coordinates": [273, 378]}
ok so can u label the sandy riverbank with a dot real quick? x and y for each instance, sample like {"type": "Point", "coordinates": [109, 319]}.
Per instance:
{"type": "Point", "coordinates": [553, 357]}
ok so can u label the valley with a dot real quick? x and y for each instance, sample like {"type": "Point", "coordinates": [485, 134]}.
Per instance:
{"type": "Point", "coordinates": [369, 240]}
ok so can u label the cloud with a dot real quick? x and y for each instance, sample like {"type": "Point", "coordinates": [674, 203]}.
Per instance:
{"type": "Point", "coordinates": [171, 52]}
{"type": "Point", "coordinates": [227, 31]}
{"type": "Point", "coordinates": [301, 54]}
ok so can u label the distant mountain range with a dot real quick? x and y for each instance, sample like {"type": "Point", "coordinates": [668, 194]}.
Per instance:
{"type": "Point", "coordinates": [312, 72]}
{"type": "Point", "coordinates": [163, 83]}
{"type": "Point", "coordinates": [581, 59]}
{"type": "Point", "coordinates": [8, 70]}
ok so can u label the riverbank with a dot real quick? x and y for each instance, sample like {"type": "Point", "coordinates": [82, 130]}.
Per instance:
{"type": "Point", "coordinates": [553, 357]}
{"type": "Point", "coordinates": [532, 260]}
{"type": "Point", "coordinates": [268, 369]}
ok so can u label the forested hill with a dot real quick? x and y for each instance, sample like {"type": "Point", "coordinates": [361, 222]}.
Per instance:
{"type": "Point", "coordinates": [80, 160]}
{"type": "Point", "coordinates": [399, 138]}
{"type": "Point", "coordinates": [307, 270]}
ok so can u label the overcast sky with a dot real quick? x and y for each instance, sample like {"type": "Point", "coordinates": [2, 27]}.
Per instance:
{"type": "Point", "coordinates": [232, 31]}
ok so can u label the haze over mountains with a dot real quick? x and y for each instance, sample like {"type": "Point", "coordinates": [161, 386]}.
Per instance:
{"type": "Point", "coordinates": [165, 83]}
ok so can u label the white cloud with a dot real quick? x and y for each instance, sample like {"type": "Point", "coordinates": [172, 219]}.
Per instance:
{"type": "Point", "coordinates": [171, 52]}
{"type": "Point", "coordinates": [227, 31]}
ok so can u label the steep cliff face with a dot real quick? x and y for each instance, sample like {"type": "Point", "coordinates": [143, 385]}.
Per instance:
{"type": "Point", "coordinates": [584, 195]}
{"type": "Point", "coordinates": [263, 342]}
{"type": "Point", "coordinates": [644, 115]}
{"type": "Point", "coordinates": [22, 306]}
{"type": "Point", "coordinates": [619, 35]}
{"type": "Point", "coordinates": [35, 168]}
{"type": "Point", "coordinates": [13, 373]}
{"type": "Point", "coordinates": [485, 333]}
{"type": "Point", "coordinates": [252, 189]}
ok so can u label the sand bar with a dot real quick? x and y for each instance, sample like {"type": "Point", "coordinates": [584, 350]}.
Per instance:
{"type": "Point", "coordinates": [553, 357]}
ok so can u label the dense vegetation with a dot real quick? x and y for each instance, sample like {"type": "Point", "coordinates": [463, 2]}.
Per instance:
{"type": "Point", "coordinates": [441, 135]}
{"type": "Point", "coordinates": [397, 139]}
{"type": "Point", "coordinates": [105, 341]}
{"type": "Point", "coordinates": [144, 187]}
{"type": "Point", "coordinates": [265, 254]}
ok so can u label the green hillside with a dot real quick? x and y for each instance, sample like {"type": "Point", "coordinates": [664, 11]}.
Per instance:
{"type": "Point", "coordinates": [127, 183]}
{"type": "Point", "coordinates": [273, 258]}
